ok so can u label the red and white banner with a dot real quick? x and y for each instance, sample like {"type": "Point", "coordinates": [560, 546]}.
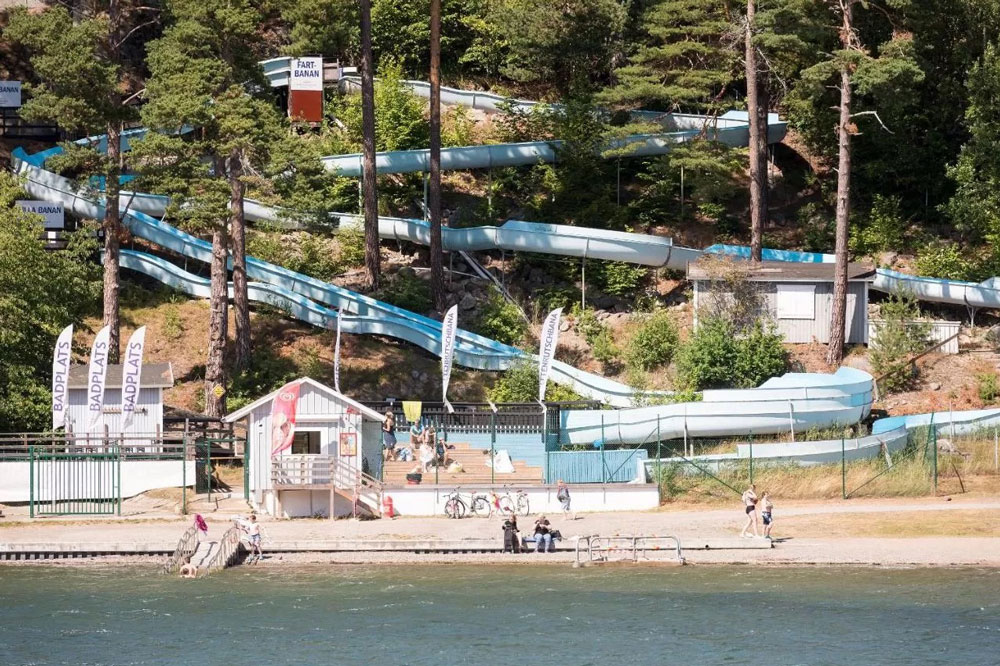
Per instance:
{"type": "Point", "coordinates": [448, 329]}
{"type": "Point", "coordinates": [131, 375]}
{"type": "Point", "coordinates": [283, 417]}
{"type": "Point", "coordinates": [336, 356]}
{"type": "Point", "coordinates": [61, 359]}
{"type": "Point", "coordinates": [97, 373]}
{"type": "Point", "coordinates": [547, 352]}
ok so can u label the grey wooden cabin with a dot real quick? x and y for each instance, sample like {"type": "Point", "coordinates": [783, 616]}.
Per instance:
{"type": "Point", "coordinates": [798, 297]}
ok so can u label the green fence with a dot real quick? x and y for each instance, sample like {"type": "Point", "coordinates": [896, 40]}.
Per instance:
{"type": "Point", "coordinates": [74, 483]}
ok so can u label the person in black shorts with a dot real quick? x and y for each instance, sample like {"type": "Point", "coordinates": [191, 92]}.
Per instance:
{"type": "Point", "coordinates": [766, 507]}
{"type": "Point", "coordinates": [749, 499]}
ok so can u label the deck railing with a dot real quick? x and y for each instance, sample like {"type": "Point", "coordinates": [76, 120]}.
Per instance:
{"type": "Point", "coordinates": [328, 472]}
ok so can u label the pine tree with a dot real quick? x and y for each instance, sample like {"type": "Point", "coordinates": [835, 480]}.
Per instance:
{"type": "Point", "coordinates": [434, 189]}
{"type": "Point", "coordinates": [203, 75]}
{"type": "Point", "coordinates": [369, 177]}
{"type": "Point", "coordinates": [85, 69]}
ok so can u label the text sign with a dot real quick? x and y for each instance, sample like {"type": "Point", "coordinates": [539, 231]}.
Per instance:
{"type": "Point", "coordinates": [10, 94]}
{"type": "Point", "coordinates": [55, 217]}
{"type": "Point", "coordinates": [306, 74]}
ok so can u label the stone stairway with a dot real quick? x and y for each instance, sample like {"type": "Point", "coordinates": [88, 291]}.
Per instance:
{"type": "Point", "coordinates": [474, 463]}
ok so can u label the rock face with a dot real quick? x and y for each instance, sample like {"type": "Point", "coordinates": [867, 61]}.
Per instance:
{"type": "Point", "coordinates": [468, 302]}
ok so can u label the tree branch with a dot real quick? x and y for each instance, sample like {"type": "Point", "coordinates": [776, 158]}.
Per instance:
{"type": "Point", "coordinates": [875, 114]}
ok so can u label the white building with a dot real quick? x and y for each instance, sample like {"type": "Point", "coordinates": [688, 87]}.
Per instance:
{"type": "Point", "coordinates": [148, 419]}
{"type": "Point", "coordinates": [337, 444]}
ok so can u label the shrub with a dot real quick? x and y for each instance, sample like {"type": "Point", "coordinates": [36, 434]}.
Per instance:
{"type": "Point", "coordinates": [500, 320]}
{"type": "Point", "coordinates": [945, 261]}
{"type": "Point", "coordinates": [605, 351]}
{"type": "Point", "coordinates": [654, 343]}
{"type": "Point", "coordinates": [988, 386]}
{"type": "Point", "coordinates": [716, 356]}
{"type": "Point", "coordinates": [406, 290]}
{"type": "Point", "coordinates": [619, 278]}
{"type": "Point", "coordinates": [519, 383]}
{"type": "Point", "coordinates": [352, 246]}
{"type": "Point", "coordinates": [268, 371]}
{"type": "Point", "coordinates": [885, 228]}
{"type": "Point", "coordinates": [588, 326]}
{"type": "Point", "coordinates": [897, 335]}
{"type": "Point", "coordinates": [555, 296]}
{"type": "Point", "coordinates": [173, 327]}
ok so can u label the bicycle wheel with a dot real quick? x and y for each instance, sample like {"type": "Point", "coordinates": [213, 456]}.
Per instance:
{"type": "Point", "coordinates": [506, 506]}
{"type": "Point", "coordinates": [480, 507]}
{"type": "Point", "coordinates": [454, 508]}
{"type": "Point", "coordinates": [522, 505]}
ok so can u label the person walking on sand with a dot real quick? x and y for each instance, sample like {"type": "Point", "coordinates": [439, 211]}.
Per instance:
{"type": "Point", "coordinates": [562, 494]}
{"type": "Point", "coordinates": [749, 499]}
{"type": "Point", "coordinates": [253, 531]}
{"type": "Point", "coordinates": [766, 506]}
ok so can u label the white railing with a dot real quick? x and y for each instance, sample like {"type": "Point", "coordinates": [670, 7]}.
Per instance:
{"type": "Point", "coordinates": [629, 548]}
{"type": "Point", "coordinates": [939, 332]}
{"type": "Point", "coordinates": [328, 471]}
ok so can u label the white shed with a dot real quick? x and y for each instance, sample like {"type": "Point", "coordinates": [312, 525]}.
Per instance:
{"type": "Point", "coordinates": [148, 419]}
{"type": "Point", "coordinates": [329, 469]}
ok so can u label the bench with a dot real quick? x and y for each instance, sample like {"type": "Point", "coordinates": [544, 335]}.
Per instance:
{"type": "Point", "coordinates": [528, 543]}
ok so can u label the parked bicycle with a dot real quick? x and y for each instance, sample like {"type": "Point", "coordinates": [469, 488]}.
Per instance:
{"type": "Point", "coordinates": [485, 504]}
{"type": "Point", "coordinates": [520, 502]}
{"type": "Point", "coordinates": [454, 505]}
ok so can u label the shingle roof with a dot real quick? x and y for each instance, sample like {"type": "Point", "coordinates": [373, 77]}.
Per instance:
{"type": "Point", "coordinates": [154, 375]}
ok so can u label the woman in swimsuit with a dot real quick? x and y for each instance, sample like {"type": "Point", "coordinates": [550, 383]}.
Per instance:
{"type": "Point", "coordinates": [750, 505]}
{"type": "Point", "coordinates": [765, 513]}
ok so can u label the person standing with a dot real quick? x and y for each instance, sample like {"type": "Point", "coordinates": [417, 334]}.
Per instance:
{"type": "Point", "coordinates": [562, 494]}
{"type": "Point", "coordinates": [253, 532]}
{"type": "Point", "coordinates": [766, 507]}
{"type": "Point", "coordinates": [511, 540]}
{"type": "Point", "coordinates": [749, 499]}
{"type": "Point", "coordinates": [389, 435]}
{"type": "Point", "coordinates": [201, 526]}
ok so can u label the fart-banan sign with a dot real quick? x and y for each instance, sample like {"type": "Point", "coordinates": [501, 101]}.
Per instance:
{"type": "Point", "coordinates": [52, 212]}
{"type": "Point", "coordinates": [307, 74]}
{"type": "Point", "coordinates": [10, 94]}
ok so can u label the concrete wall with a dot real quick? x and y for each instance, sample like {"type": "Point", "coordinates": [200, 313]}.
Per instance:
{"type": "Point", "coordinates": [817, 328]}
{"type": "Point", "coordinates": [137, 477]}
{"type": "Point", "coordinates": [427, 501]}
{"type": "Point", "coordinates": [305, 504]}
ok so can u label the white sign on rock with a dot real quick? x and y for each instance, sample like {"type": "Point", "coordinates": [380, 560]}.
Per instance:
{"type": "Point", "coordinates": [10, 94]}
{"type": "Point", "coordinates": [54, 214]}
{"type": "Point", "coordinates": [307, 74]}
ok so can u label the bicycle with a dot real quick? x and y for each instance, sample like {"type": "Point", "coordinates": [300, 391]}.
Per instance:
{"type": "Point", "coordinates": [454, 506]}
{"type": "Point", "coordinates": [519, 502]}
{"type": "Point", "coordinates": [485, 504]}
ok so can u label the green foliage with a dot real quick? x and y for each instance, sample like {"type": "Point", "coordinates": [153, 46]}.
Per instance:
{"type": "Point", "coordinates": [309, 253]}
{"type": "Point", "coordinates": [327, 27]}
{"type": "Point", "coordinates": [898, 333]}
{"type": "Point", "coordinates": [519, 383]}
{"type": "Point", "coordinates": [456, 127]}
{"type": "Point", "coordinates": [406, 290]}
{"type": "Point", "coordinates": [618, 278]}
{"type": "Point", "coordinates": [654, 343]}
{"type": "Point", "coordinates": [173, 327]}
{"type": "Point", "coordinates": [352, 246]}
{"type": "Point", "coordinates": [946, 261]}
{"type": "Point", "coordinates": [500, 320]}
{"type": "Point", "coordinates": [41, 292]}
{"type": "Point", "coordinates": [401, 124]}
{"type": "Point", "coordinates": [605, 351]}
{"type": "Point", "coordinates": [588, 326]}
{"type": "Point", "coordinates": [884, 231]}
{"type": "Point", "coordinates": [553, 296]}
{"type": "Point", "coordinates": [268, 372]}
{"type": "Point", "coordinates": [988, 387]}
{"type": "Point", "coordinates": [717, 357]}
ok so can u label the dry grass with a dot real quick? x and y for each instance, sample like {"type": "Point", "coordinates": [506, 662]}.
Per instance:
{"type": "Point", "coordinates": [961, 523]}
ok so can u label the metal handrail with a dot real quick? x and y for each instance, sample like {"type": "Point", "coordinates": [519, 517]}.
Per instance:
{"type": "Point", "coordinates": [229, 548]}
{"type": "Point", "coordinates": [638, 545]}
{"type": "Point", "coordinates": [186, 547]}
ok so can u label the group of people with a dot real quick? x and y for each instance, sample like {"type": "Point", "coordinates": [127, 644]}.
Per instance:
{"type": "Point", "coordinates": [544, 535]}
{"type": "Point", "coordinates": [424, 444]}
{"type": "Point", "coordinates": [750, 502]}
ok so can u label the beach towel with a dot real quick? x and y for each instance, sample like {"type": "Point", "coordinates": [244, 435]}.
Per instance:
{"type": "Point", "coordinates": [501, 463]}
{"type": "Point", "coordinates": [412, 409]}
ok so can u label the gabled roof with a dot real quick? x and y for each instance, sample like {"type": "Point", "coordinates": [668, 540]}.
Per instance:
{"type": "Point", "coordinates": [154, 375]}
{"type": "Point", "coordinates": [243, 412]}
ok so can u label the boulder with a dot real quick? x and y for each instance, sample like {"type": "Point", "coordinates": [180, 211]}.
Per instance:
{"type": "Point", "coordinates": [407, 271]}
{"type": "Point", "coordinates": [564, 325]}
{"type": "Point", "coordinates": [993, 335]}
{"type": "Point", "coordinates": [468, 302]}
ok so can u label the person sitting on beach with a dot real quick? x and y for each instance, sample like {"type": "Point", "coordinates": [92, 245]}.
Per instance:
{"type": "Point", "coordinates": [765, 514]}
{"type": "Point", "coordinates": [416, 435]}
{"type": "Point", "coordinates": [426, 458]}
{"type": "Point", "coordinates": [749, 499]}
{"type": "Point", "coordinates": [188, 570]}
{"type": "Point", "coordinates": [511, 542]}
{"type": "Point", "coordinates": [543, 536]}
{"type": "Point", "coordinates": [389, 435]}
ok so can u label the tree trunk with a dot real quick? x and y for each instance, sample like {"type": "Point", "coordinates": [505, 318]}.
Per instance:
{"type": "Point", "coordinates": [237, 230]}
{"type": "Point", "coordinates": [434, 188]}
{"type": "Point", "coordinates": [838, 317]}
{"type": "Point", "coordinates": [112, 238]}
{"type": "Point", "coordinates": [215, 377]}
{"type": "Point", "coordinates": [757, 112]}
{"type": "Point", "coordinates": [373, 259]}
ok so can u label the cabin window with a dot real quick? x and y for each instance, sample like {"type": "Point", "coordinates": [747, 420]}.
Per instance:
{"type": "Point", "coordinates": [306, 442]}
{"type": "Point", "coordinates": [796, 301]}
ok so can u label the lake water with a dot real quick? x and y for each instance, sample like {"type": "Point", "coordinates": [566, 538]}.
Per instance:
{"type": "Point", "coordinates": [486, 615]}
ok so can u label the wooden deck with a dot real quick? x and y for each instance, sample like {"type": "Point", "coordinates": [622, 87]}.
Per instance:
{"type": "Point", "coordinates": [473, 462]}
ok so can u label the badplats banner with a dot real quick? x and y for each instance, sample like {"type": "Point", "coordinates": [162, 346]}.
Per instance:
{"type": "Point", "coordinates": [550, 338]}
{"type": "Point", "coordinates": [448, 329]}
{"type": "Point", "coordinates": [97, 373]}
{"type": "Point", "coordinates": [283, 417]}
{"type": "Point", "coordinates": [131, 375]}
{"type": "Point", "coordinates": [336, 357]}
{"type": "Point", "coordinates": [60, 377]}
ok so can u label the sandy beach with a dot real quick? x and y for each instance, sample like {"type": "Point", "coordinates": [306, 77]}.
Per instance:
{"type": "Point", "coordinates": [905, 532]}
